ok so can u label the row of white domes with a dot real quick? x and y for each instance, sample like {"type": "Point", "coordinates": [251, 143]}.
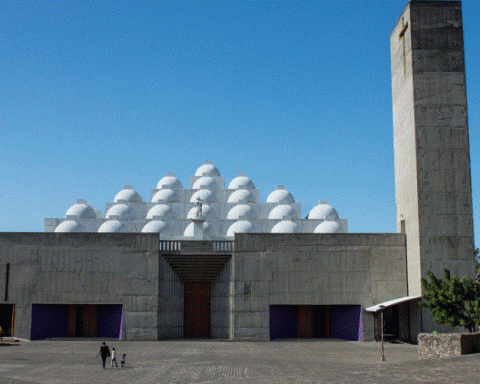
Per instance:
{"type": "Point", "coordinates": [204, 192]}
{"type": "Point", "coordinates": [157, 226]}
{"type": "Point", "coordinates": [124, 212]}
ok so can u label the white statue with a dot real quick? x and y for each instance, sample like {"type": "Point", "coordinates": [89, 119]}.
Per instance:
{"type": "Point", "coordinates": [198, 204]}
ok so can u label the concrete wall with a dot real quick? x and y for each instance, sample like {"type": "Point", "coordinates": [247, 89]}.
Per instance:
{"type": "Point", "coordinates": [170, 302]}
{"type": "Point", "coordinates": [83, 268]}
{"type": "Point", "coordinates": [220, 304]}
{"type": "Point", "coordinates": [309, 269]}
{"type": "Point", "coordinates": [432, 160]}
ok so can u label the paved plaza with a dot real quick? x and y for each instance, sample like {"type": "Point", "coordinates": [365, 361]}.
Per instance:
{"type": "Point", "coordinates": [165, 362]}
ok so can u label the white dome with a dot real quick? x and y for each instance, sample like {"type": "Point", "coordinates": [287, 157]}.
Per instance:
{"type": "Point", "coordinates": [161, 210]}
{"type": "Point", "coordinates": [164, 196]}
{"type": "Point", "coordinates": [281, 211]}
{"type": "Point", "coordinates": [284, 226]}
{"type": "Point", "coordinates": [169, 182]}
{"type": "Point", "coordinates": [207, 169]}
{"type": "Point", "coordinates": [328, 227]}
{"type": "Point", "coordinates": [323, 211]}
{"type": "Point", "coordinates": [204, 194]}
{"type": "Point", "coordinates": [241, 182]}
{"type": "Point", "coordinates": [123, 211]}
{"type": "Point", "coordinates": [112, 226]}
{"type": "Point", "coordinates": [69, 226]}
{"type": "Point", "coordinates": [154, 226]}
{"type": "Point", "coordinates": [280, 196]}
{"type": "Point", "coordinates": [241, 196]}
{"type": "Point", "coordinates": [207, 212]}
{"type": "Point", "coordinates": [81, 211]}
{"type": "Point", "coordinates": [205, 182]}
{"type": "Point", "coordinates": [242, 226]}
{"type": "Point", "coordinates": [240, 210]}
{"type": "Point", "coordinates": [128, 194]}
{"type": "Point", "coordinates": [189, 230]}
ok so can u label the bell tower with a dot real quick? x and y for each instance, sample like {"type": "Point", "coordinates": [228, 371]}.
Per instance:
{"type": "Point", "coordinates": [431, 144]}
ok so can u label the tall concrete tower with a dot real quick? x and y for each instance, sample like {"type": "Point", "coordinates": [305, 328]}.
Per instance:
{"type": "Point", "coordinates": [432, 157]}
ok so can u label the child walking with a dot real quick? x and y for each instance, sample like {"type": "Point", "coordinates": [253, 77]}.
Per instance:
{"type": "Point", "coordinates": [114, 357]}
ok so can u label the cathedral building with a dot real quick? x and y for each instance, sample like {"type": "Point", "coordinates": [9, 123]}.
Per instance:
{"type": "Point", "coordinates": [216, 262]}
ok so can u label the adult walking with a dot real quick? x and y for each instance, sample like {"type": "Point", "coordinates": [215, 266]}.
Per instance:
{"type": "Point", "coordinates": [104, 352]}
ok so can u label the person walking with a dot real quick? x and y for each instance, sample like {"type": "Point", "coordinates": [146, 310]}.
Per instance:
{"type": "Point", "coordinates": [122, 363]}
{"type": "Point", "coordinates": [114, 358]}
{"type": "Point", "coordinates": [104, 352]}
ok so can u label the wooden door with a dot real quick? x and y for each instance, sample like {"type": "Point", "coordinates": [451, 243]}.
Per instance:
{"type": "Point", "coordinates": [72, 321]}
{"type": "Point", "coordinates": [305, 321]}
{"type": "Point", "coordinates": [89, 321]}
{"type": "Point", "coordinates": [196, 310]}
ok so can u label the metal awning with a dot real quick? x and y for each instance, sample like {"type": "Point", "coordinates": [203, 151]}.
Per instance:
{"type": "Point", "coordinates": [385, 304]}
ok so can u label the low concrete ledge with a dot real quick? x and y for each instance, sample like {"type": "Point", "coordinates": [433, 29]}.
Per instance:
{"type": "Point", "coordinates": [447, 344]}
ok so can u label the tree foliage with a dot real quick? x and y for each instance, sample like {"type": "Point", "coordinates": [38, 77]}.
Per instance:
{"type": "Point", "coordinates": [453, 301]}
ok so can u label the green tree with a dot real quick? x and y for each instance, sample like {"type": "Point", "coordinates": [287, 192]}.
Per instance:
{"type": "Point", "coordinates": [453, 301]}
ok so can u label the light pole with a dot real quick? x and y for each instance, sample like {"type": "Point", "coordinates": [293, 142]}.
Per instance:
{"type": "Point", "coordinates": [382, 307]}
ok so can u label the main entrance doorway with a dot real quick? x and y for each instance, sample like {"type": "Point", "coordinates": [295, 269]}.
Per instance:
{"type": "Point", "coordinates": [197, 303]}
{"type": "Point", "coordinates": [76, 320]}
{"type": "Point", "coordinates": [315, 321]}
{"type": "Point", "coordinates": [7, 319]}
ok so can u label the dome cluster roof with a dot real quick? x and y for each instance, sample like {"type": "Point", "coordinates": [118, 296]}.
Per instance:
{"type": "Point", "coordinates": [123, 211]}
{"type": "Point", "coordinates": [207, 210]}
{"type": "Point", "coordinates": [170, 182]}
{"type": "Point", "coordinates": [328, 227]}
{"type": "Point", "coordinates": [113, 225]}
{"type": "Point", "coordinates": [241, 196]}
{"type": "Point", "coordinates": [241, 182]}
{"type": "Point", "coordinates": [154, 226]}
{"type": "Point", "coordinates": [69, 226]}
{"type": "Point", "coordinates": [165, 196]}
{"type": "Point", "coordinates": [281, 211]}
{"type": "Point", "coordinates": [207, 169]}
{"type": "Point", "coordinates": [205, 182]}
{"type": "Point", "coordinates": [128, 194]}
{"type": "Point", "coordinates": [204, 195]}
{"type": "Point", "coordinates": [81, 211]}
{"type": "Point", "coordinates": [323, 211]}
{"type": "Point", "coordinates": [280, 196]}
{"type": "Point", "coordinates": [241, 226]}
{"type": "Point", "coordinates": [240, 211]}
{"type": "Point", "coordinates": [285, 226]}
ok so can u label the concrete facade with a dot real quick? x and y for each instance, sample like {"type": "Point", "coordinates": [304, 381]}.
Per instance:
{"type": "Point", "coordinates": [82, 268]}
{"type": "Point", "coordinates": [432, 161]}
{"type": "Point", "coordinates": [337, 269]}
{"type": "Point", "coordinates": [147, 277]}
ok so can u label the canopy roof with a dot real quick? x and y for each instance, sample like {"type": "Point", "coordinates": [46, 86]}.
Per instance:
{"type": "Point", "coordinates": [385, 304]}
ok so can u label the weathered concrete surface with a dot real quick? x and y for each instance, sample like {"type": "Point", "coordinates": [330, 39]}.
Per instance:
{"type": "Point", "coordinates": [187, 362]}
{"type": "Point", "coordinates": [83, 268]}
{"type": "Point", "coordinates": [431, 145]}
{"type": "Point", "coordinates": [447, 344]}
{"type": "Point", "coordinates": [314, 269]}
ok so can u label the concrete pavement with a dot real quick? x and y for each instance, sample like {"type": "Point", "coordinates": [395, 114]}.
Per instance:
{"type": "Point", "coordinates": [298, 361]}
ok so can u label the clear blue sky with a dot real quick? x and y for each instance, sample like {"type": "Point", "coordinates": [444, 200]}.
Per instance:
{"type": "Point", "coordinates": [97, 95]}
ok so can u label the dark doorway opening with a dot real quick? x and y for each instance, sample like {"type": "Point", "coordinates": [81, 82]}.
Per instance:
{"type": "Point", "coordinates": [197, 303]}
{"type": "Point", "coordinates": [7, 319]}
{"type": "Point", "coordinates": [391, 323]}
{"type": "Point", "coordinates": [76, 320]}
{"type": "Point", "coordinates": [315, 321]}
